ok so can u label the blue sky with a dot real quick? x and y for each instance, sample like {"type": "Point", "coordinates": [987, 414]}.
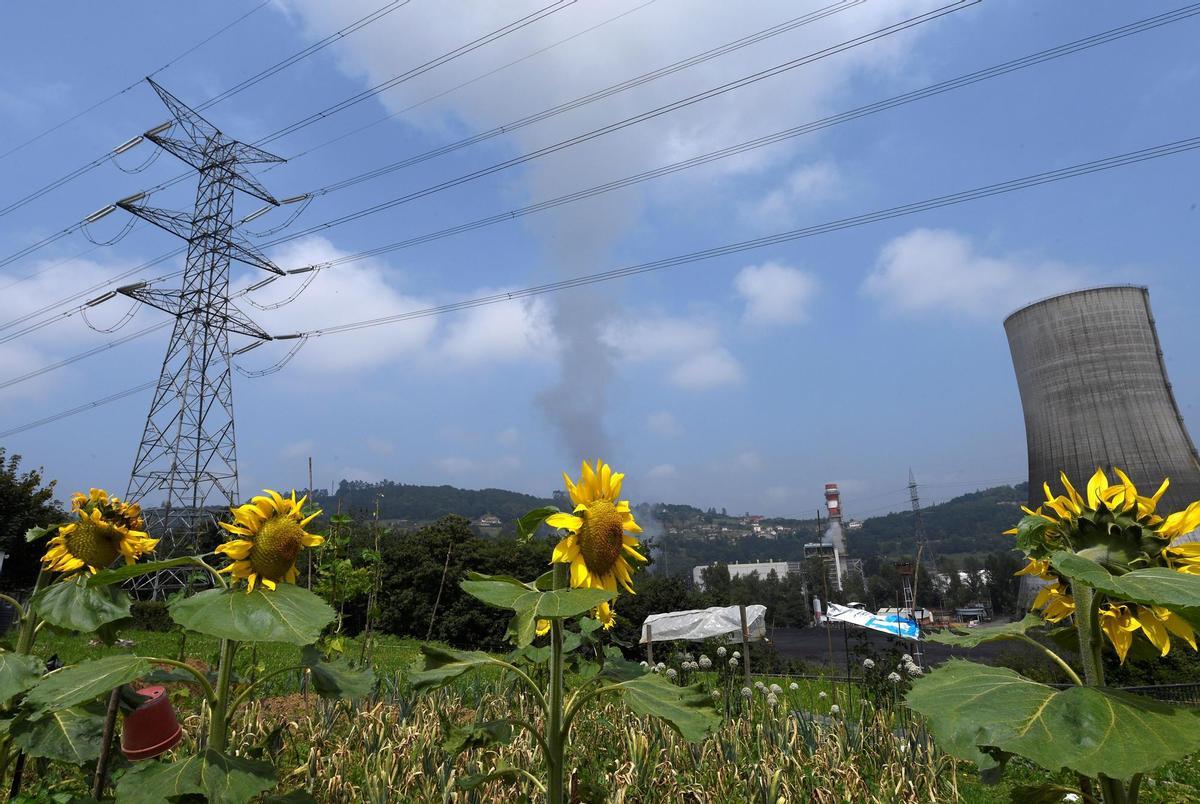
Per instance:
{"type": "Point", "coordinates": [746, 381]}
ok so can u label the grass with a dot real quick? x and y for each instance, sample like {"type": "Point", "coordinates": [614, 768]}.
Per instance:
{"type": "Point", "coordinates": [389, 748]}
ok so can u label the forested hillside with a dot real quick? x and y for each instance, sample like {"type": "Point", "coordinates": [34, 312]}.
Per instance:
{"type": "Point", "coordinates": [426, 503]}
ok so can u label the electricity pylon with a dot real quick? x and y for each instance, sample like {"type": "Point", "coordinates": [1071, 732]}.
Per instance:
{"type": "Point", "coordinates": [186, 464]}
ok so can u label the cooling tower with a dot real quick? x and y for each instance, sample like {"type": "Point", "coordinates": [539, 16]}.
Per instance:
{"type": "Point", "coordinates": [1094, 390]}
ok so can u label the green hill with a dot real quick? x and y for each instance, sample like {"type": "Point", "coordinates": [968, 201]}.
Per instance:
{"type": "Point", "coordinates": [972, 523]}
{"type": "Point", "coordinates": [401, 501]}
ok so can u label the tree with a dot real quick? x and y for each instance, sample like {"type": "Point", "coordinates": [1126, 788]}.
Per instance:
{"type": "Point", "coordinates": [24, 503]}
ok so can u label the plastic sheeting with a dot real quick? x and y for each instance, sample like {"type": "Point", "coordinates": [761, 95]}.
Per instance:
{"type": "Point", "coordinates": [715, 622]}
{"type": "Point", "coordinates": [890, 623]}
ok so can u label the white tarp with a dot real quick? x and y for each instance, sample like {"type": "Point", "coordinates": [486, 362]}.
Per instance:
{"type": "Point", "coordinates": [892, 623]}
{"type": "Point", "coordinates": [697, 624]}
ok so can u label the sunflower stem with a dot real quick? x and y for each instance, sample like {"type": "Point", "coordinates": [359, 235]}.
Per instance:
{"type": "Point", "coordinates": [220, 708]}
{"type": "Point", "coordinates": [554, 730]}
{"type": "Point", "coordinates": [1087, 626]}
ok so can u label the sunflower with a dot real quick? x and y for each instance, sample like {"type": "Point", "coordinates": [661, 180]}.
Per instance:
{"type": "Point", "coordinates": [599, 543]}
{"type": "Point", "coordinates": [1115, 516]}
{"type": "Point", "coordinates": [270, 533]}
{"type": "Point", "coordinates": [107, 528]}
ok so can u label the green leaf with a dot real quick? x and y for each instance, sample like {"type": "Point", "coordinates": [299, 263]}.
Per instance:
{"type": "Point", "coordinates": [1088, 730]}
{"type": "Point", "coordinates": [529, 601]}
{"type": "Point", "coordinates": [478, 735]}
{"type": "Point", "coordinates": [496, 590]}
{"type": "Point", "coordinates": [980, 636]}
{"type": "Point", "coordinates": [18, 672]}
{"type": "Point", "coordinates": [527, 525]}
{"type": "Point", "coordinates": [120, 574]}
{"type": "Point", "coordinates": [1157, 586]}
{"type": "Point", "coordinates": [219, 778]}
{"type": "Point", "coordinates": [74, 606]}
{"type": "Point", "coordinates": [442, 665]}
{"type": "Point", "coordinates": [69, 735]}
{"type": "Point", "coordinates": [35, 533]}
{"type": "Point", "coordinates": [288, 613]}
{"type": "Point", "coordinates": [522, 628]}
{"type": "Point", "coordinates": [82, 682]}
{"type": "Point", "coordinates": [503, 771]}
{"type": "Point", "coordinates": [570, 602]}
{"type": "Point", "coordinates": [689, 709]}
{"type": "Point", "coordinates": [336, 679]}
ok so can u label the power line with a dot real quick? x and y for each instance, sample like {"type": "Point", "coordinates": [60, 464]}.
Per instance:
{"type": "Point", "coordinates": [635, 119]}
{"type": "Point", "coordinates": [1107, 163]}
{"type": "Point", "coordinates": [228, 93]}
{"type": "Point", "coordinates": [600, 94]}
{"type": "Point", "coordinates": [137, 389]}
{"type": "Point", "coordinates": [999, 188]}
{"type": "Point", "coordinates": [468, 82]}
{"type": "Point", "coordinates": [121, 92]}
{"type": "Point", "coordinates": [968, 79]}
{"type": "Point", "coordinates": [462, 50]}
{"type": "Point", "coordinates": [85, 355]}
{"type": "Point", "coordinates": [771, 139]}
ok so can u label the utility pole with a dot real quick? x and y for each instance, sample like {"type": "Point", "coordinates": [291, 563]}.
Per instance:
{"type": "Point", "coordinates": [186, 465]}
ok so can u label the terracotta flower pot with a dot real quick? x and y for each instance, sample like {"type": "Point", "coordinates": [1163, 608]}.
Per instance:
{"type": "Point", "coordinates": [152, 728]}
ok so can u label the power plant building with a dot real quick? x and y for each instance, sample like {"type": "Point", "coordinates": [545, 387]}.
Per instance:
{"type": "Point", "coordinates": [1095, 393]}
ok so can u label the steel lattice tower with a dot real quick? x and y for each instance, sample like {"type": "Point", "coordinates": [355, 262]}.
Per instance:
{"type": "Point", "coordinates": [186, 464]}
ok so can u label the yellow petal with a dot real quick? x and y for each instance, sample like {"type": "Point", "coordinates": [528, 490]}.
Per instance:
{"type": "Point", "coordinates": [579, 573]}
{"type": "Point", "coordinates": [564, 521]}
{"type": "Point", "coordinates": [566, 551]}
{"type": "Point", "coordinates": [1154, 629]}
{"type": "Point", "coordinates": [1097, 484]}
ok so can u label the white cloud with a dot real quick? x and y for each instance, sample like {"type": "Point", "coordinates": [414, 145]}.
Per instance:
{"type": "Point", "coordinates": [708, 369]}
{"type": "Point", "coordinates": [662, 472]}
{"type": "Point", "coordinates": [508, 437]}
{"type": "Point", "coordinates": [691, 348]}
{"type": "Point", "coordinates": [664, 425]}
{"type": "Point", "coordinates": [775, 293]}
{"type": "Point", "coordinates": [803, 188]}
{"type": "Point", "coordinates": [342, 294]}
{"type": "Point", "coordinates": [505, 331]}
{"type": "Point", "coordinates": [938, 270]}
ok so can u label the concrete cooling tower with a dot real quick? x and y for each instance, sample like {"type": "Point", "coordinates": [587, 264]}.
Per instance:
{"type": "Point", "coordinates": [1094, 390]}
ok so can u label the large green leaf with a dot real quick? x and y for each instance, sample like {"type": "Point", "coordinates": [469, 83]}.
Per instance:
{"type": "Point", "coordinates": [527, 525]}
{"type": "Point", "coordinates": [509, 593]}
{"type": "Point", "coordinates": [120, 574]}
{"type": "Point", "coordinates": [219, 778]}
{"type": "Point", "coordinates": [35, 533]}
{"type": "Point", "coordinates": [688, 709]}
{"type": "Point", "coordinates": [287, 613]}
{"type": "Point", "coordinates": [82, 682]}
{"type": "Point", "coordinates": [442, 665]}
{"type": "Point", "coordinates": [1090, 731]}
{"type": "Point", "coordinates": [75, 606]}
{"type": "Point", "coordinates": [477, 735]}
{"type": "Point", "coordinates": [336, 679]}
{"type": "Point", "coordinates": [1159, 586]}
{"type": "Point", "coordinates": [18, 672]}
{"type": "Point", "coordinates": [69, 735]}
{"type": "Point", "coordinates": [980, 636]}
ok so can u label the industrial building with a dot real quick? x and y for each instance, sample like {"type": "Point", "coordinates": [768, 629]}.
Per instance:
{"type": "Point", "coordinates": [832, 546]}
{"type": "Point", "coordinates": [1095, 393]}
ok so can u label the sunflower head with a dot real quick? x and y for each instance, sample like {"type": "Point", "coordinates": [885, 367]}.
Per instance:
{"type": "Point", "coordinates": [600, 539]}
{"type": "Point", "coordinates": [106, 528]}
{"type": "Point", "coordinates": [268, 536]}
{"type": "Point", "coordinates": [1113, 524]}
